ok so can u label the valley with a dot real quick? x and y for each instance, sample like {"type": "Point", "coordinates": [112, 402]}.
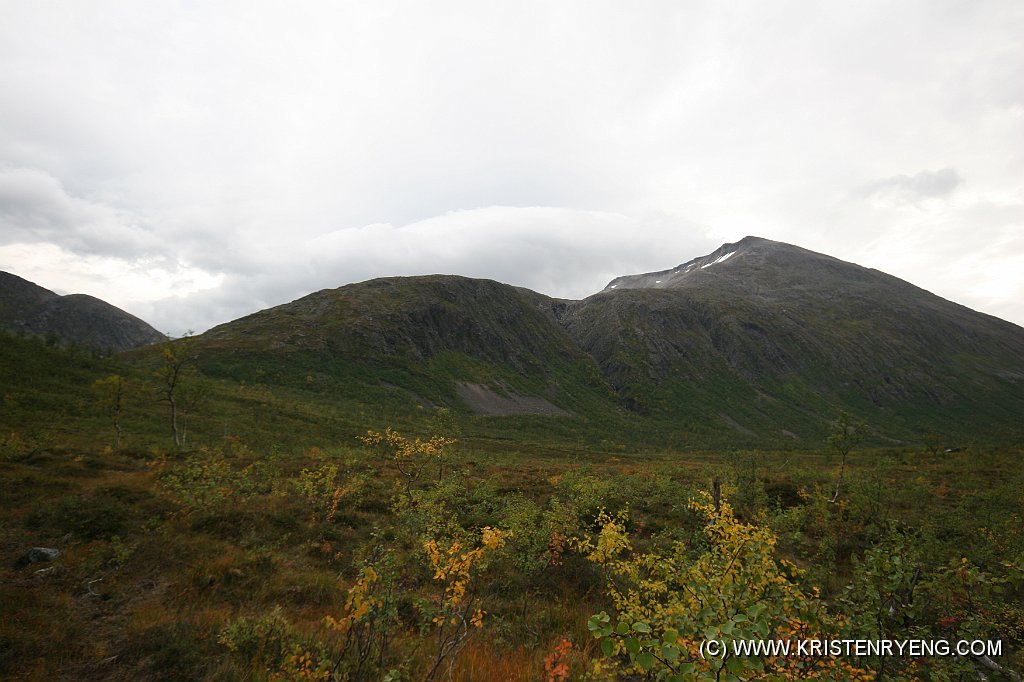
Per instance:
{"type": "Point", "coordinates": [440, 477]}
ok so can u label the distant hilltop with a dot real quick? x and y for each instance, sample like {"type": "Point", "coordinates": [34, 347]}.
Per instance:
{"type": "Point", "coordinates": [78, 319]}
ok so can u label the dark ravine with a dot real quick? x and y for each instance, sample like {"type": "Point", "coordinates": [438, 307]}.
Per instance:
{"type": "Point", "coordinates": [73, 319]}
{"type": "Point", "coordinates": [774, 337]}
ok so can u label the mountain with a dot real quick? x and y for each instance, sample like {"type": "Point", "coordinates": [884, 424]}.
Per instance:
{"type": "Point", "coordinates": [756, 342]}
{"type": "Point", "coordinates": [761, 335]}
{"type": "Point", "coordinates": [76, 318]}
{"type": "Point", "coordinates": [428, 340]}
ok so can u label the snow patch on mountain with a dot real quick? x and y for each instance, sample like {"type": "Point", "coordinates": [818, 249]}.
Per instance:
{"type": "Point", "coordinates": [677, 276]}
{"type": "Point", "coordinates": [720, 259]}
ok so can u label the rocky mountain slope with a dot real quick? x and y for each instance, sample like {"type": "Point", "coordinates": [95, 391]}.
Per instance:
{"type": "Point", "coordinates": [76, 318]}
{"type": "Point", "coordinates": [435, 339]}
{"type": "Point", "coordinates": [759, 334]}
{"type": "Point", "coordinates": [758, 340]}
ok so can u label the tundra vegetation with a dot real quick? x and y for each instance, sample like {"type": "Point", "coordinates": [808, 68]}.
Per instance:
{"type": "Point", "coordinates": [287, 535]}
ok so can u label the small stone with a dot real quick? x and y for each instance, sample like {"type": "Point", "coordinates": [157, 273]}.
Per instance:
{"type": "Point", "coordinates": [37, 555]}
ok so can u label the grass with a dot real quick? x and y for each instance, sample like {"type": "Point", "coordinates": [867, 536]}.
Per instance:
{"type": "Point", "coordinates": [145, 585]}
{"type": "Point", "coordinates": [163, 547]}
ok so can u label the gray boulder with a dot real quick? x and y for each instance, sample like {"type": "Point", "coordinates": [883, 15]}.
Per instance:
{"type": "Point", "coordinates": [38, 555]}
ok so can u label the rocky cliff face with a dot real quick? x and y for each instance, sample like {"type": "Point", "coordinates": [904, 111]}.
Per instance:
{"type": "Point", "coordinates": [76, 318]}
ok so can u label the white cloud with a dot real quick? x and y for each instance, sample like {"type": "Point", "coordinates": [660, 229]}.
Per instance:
{"type": "Point", "coordinates": [137, 286]}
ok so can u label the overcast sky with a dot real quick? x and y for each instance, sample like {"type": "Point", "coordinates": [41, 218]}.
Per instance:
{"type": "Point", "coordinates": [192, 162]}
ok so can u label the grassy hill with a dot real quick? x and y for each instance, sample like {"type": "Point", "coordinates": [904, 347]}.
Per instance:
{"type": "Point", "coordinates": [757, 343]}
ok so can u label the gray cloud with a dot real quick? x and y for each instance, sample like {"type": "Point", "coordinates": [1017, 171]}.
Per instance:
{"type": "Point", "coordinates": [912, 189]}
{"type": "Point", "coordinates": [34, 207]}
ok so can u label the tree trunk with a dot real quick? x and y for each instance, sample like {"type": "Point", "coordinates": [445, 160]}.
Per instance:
{"type": "Point", "coordinates": [174, 422]}
{"type": "Point", "coordinates": [839, 481]}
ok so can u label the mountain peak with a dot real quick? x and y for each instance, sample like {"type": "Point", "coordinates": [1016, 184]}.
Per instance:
{"type": "Point", "coordinates": [764, 266]}
{"type": "Point", "coordinates": [666, 279]}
